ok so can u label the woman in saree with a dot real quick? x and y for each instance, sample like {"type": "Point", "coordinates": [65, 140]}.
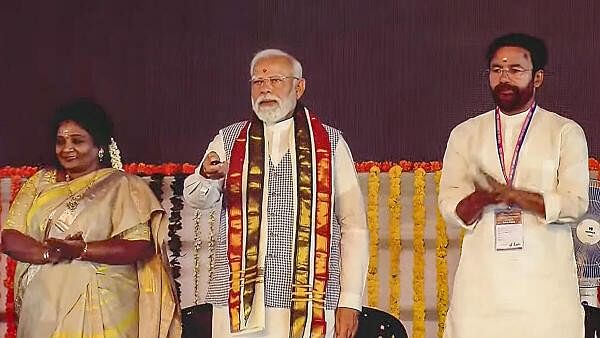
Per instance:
{"type": "Point", "coordinates": [89, 241]}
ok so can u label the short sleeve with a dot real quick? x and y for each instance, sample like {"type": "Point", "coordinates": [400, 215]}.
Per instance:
{"type": "Point", "coordinates": [140, 232]}
{"type": "Point", "coordinates": [17, 214]}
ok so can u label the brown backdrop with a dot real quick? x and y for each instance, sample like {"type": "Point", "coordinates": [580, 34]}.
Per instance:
{"type": "Point", "coordinates": [395, 76]}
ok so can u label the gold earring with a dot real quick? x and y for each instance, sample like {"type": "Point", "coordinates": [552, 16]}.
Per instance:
{"type": "Point", "coordinates": [101, 154]}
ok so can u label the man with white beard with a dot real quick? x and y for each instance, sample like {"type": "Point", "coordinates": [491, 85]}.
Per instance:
{"type": "Point", "coordinates": [292, 213]}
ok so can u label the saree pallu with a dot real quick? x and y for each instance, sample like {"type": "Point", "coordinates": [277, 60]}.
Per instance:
{"type": "Point", "coordinates": [86, 299]}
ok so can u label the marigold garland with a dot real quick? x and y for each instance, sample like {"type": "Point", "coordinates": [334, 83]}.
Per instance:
{"type": "Point", "coordinates": [11, 265]}
{"type": "Point", "coordinates": [594, 165]}
{"type": "Point", "coordinates": [407, 166]}
{"type": "Point", "coordinates": [373, 222]}
{"type": "Point", "coordinates": [419, 254]}
{"type": "Point", "coordinates": [169, 169]}
{"type": "Point", "coordinates": [26, 171]}
{"type": "Point", "coordinates": [441, 263]}
{"type": "Point", "coordinates": [7, 272]}
{"type": "Point", "coordinates": [374, 169]}
{"type": "Point", "coordinates": [395, 209]}
{"type": "Point", "coordinates": [9, 309]}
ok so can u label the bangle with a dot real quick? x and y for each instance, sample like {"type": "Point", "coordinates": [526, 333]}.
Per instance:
{"type": "Point", "coordinates": [83, 252]}
{"type": "Point", "coordinates": [46, 256]}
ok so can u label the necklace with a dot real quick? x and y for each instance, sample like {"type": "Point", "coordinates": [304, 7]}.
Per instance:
{"type": "Point", "coordinates": [75, 198]}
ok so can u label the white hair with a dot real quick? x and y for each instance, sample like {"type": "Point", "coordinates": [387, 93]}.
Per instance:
{"type": "Point", "coordinates": [268, 53]}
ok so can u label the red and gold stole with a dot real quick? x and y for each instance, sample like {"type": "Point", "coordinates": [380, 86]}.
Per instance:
{"type": "Point", "coordinates": [313, 188]}
{"type": "Point", "coordinates": [244, 211]}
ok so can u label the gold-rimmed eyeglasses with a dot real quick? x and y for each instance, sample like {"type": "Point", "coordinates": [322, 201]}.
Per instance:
{"type": "Point", "coordinates": [275, 81]}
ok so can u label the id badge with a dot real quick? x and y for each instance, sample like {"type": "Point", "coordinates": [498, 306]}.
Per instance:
{"type": "Point", "coordinates": [508, 229]}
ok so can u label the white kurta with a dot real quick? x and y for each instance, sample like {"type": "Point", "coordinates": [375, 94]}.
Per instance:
{"type": "Point", "coordinates": [531, 292]}
{"type": "Point", "coordinates": [349, 209]}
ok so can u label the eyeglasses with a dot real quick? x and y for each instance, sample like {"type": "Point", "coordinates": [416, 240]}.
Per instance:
{"type": "Point", "coordinates": [515, 73]}
{"type": "Point", "coordinates": [274, 81]}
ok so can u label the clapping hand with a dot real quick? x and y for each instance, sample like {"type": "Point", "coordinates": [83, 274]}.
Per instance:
{"type": "Point", "coordinates": [503, 193]}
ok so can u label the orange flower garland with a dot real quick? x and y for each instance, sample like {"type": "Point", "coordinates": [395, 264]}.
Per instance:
{"type": "Point", "coordinates": [11, 265]}
{"type": "Point", "coordinates": [441, 263]}
{"type": "Point", "coordinates": [188, 168]}
{"type": "Point", "coordinates": [373, 223]}
{"type": "Point", "coordinates": [395, 245]}
{"type": "Point", "coordinates": [16, 174]}
{"type": "Point", "coordinates": [594, 165]}
{"type": "Point", "coordinates": [419, 255]}
{"type": "Point", "coordinates": [167, 169]}
{"type": "Point", "coordinates": [26, 171]}
{"type": "Point", "coordinates": [407, 166]}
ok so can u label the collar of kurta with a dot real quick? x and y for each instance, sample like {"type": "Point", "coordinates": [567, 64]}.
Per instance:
{"type": "Point", "coordinates": [313, 200]}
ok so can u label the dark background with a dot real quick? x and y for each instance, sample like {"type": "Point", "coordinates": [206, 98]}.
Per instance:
{"type": "Point", "coordinates": [395, 76]}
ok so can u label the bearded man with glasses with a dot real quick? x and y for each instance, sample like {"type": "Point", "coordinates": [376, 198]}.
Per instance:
{"type": "Point", "coordinates": [292, 213]}
{"type": "Point", "coordinates": [513, 178]}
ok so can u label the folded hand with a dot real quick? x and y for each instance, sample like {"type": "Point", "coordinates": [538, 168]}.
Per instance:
{"type": "Point", "coordinates": [68, 248]}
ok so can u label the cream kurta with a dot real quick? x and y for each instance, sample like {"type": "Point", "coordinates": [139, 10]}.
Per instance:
{"type": "Point", "coordinates": [531, 292]}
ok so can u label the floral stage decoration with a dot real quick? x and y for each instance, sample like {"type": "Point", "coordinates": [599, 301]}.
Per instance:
{"type": "Point", "coordinates": [373, 224]}
{"type": "Point", "coordinates": [176, 172]}
{"type": "Point", "coordinates": [395, 209]}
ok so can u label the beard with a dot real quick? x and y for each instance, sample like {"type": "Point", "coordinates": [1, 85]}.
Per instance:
{"type": "Point", "coordinates": [284, 106]}
{"type": "Point", "coordinates": [511, 98]}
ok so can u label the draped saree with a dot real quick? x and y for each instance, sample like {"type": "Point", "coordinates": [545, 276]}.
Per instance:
{"type": "Point", "coordinates": [87, 299]}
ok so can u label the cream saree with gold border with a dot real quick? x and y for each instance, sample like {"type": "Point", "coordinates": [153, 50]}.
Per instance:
{"type": "Point", "coordinates": [85, 299]}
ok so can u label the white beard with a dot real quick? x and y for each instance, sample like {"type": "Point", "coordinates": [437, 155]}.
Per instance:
{"type": "Point", "coordinates": [273, 115]}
